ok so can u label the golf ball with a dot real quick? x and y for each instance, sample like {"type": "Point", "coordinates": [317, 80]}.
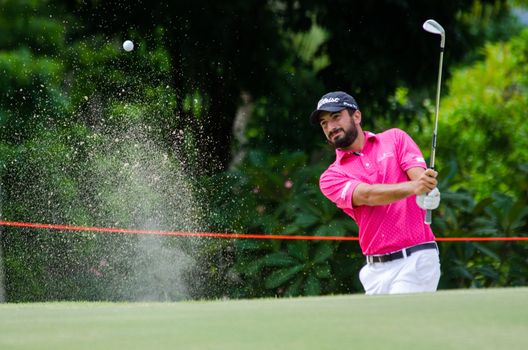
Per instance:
{"type": "Point", "coordinates": [128, 45]}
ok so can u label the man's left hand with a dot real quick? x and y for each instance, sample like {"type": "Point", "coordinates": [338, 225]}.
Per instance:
{"type": "Point", "coordinates": [429, 201]}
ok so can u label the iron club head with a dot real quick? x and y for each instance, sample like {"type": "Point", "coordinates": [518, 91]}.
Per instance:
{"type": "Point", "coordinates": [434, 27]}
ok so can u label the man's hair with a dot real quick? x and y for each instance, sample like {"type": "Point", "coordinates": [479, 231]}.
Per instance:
{"type": "Point", "coordinates": [351, 110]}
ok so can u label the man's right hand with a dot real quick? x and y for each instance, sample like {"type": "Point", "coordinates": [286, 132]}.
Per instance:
{"type": "Point", "coordinates": [426, 182]}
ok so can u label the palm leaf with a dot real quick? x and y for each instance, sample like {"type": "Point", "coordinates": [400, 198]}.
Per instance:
{"type": "Point", "coordinates": [312, 286]}
{"type": "Point", "coordinates": [281, 276]}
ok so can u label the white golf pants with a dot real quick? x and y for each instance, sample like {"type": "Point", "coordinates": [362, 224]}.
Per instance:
{"type": "Point", "coordinates": [417, 273]}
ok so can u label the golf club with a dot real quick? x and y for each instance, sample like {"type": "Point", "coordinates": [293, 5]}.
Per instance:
{"type": "Point", "coordinates": [434, 27]}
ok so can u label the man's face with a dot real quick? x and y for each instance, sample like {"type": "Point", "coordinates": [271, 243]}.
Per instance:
{"type": "Point", "coordinates": [339, 128]}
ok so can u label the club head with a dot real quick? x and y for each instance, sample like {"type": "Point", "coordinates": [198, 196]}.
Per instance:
{"type": "Point", "coordinates": [434, 27]}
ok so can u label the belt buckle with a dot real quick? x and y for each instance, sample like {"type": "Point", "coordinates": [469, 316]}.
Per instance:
{"type": "Point", "coordinates": [372, 259]}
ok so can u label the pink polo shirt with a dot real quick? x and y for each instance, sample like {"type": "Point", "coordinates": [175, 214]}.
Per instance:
{"type": "Point", "coordinates": [385, 158]}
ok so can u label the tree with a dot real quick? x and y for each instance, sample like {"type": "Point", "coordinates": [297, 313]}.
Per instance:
{"type": "Point", "coordinates": [371, 50]}
{"type": "Point", "coordinates": [220, 51]}
{"type": "Point", "coordinates": [87, 128]}
{"type": "Point", "coordinates": [484, 120]}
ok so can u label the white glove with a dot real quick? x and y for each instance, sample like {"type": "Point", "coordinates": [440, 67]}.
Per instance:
{"type": "Point", "coordinates": [429, 201]}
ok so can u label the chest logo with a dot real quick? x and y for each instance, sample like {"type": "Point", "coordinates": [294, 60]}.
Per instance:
{"type": "Point", "coordinates": [385, 155]}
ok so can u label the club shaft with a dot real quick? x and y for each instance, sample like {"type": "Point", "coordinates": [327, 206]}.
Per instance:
{"type": "Point", "coordinates": [437, 109]}
{"type": "Point", "coordinates": [429, 213]}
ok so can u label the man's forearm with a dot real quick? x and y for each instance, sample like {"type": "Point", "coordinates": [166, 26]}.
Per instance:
{"type": "Point", "coordinates": [421, 181]}
{"type": "Point", "coordinates": [382, 194]}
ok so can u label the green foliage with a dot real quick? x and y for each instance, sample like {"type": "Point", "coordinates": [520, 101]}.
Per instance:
{"type": "Point", "coordinates": [86, 139]}
{"type": "Point", "coordinates": [481, 264]}
{"type": "Point", "coordinates": [484, 119]}
{"type": "Point", "coordinates": [485, 110]}
{"type": "Point", "coordinates": [292, 268]}
{"type": "Point", "coordinates": [31, 24]}
{"type": "Point", "coordinates": [93, 135]}
{"type": "Point", "coordinates": [281, 196]}
{"type": "Point", "coordinates": [483, 180]}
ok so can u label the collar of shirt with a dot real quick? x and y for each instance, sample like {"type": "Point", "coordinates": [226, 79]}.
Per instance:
{"type": "Point", "coordinates": [340, 154]}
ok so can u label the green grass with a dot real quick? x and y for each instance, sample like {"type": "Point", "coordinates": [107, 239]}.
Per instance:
{"type": "Point", "coordinates": [461, 319]}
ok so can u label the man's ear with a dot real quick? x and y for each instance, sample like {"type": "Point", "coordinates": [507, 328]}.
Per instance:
{"type": "Point", "coordinates": [357, 116]}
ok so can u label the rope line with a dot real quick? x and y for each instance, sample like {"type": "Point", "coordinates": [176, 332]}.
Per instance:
{"type": "Point", "coordinates": [173, 233]}
{"type": "Point", "coordinates": [230, 235]}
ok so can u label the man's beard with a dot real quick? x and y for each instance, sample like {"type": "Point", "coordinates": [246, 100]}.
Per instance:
{"type": "Point", "coordinates": [346, 139]}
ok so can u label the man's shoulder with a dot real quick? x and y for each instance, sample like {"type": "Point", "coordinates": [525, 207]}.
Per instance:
{"type": "Point", "coordinates": [393, 135]}
{"type": "Point", "coordinates": [333, 168]}
{"type": "Point", "coordinates": [393, 132]}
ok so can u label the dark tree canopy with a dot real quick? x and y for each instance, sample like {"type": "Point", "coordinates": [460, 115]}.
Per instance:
{"type": "Point", "coordinates": [225, 48]}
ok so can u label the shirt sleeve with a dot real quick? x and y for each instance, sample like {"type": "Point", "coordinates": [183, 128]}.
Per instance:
{"type": "Point", "coordinates": [408, 151]}
{"type": "Point", "coordinates": [338, 188]}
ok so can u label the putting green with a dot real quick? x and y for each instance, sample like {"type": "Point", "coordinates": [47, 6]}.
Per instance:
{"type": "Point", "coordinates": [459, 319]}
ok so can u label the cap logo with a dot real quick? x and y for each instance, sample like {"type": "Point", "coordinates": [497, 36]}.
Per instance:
{"type": "Point", "coordinates": [324, 101]}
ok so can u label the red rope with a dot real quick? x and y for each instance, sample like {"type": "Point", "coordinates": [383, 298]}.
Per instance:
{"type": "Point", "coordinates": [174, 233]}
{"type": "Point", "coordinates": [230, 235]}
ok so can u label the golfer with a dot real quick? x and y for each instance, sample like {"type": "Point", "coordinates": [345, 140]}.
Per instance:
{"type": "Point", "coordinates": [382, 182]}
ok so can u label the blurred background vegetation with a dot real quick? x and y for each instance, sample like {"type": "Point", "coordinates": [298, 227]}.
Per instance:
{"type": "Point", "coordinates": [204, 127]}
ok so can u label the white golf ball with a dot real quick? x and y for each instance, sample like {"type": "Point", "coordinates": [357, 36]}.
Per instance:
{"type": "Point", "coordinates": [128, 45]}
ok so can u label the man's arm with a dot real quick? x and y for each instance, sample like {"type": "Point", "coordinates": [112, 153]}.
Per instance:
{"type": "Point", "coordinates": [421, 181]}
